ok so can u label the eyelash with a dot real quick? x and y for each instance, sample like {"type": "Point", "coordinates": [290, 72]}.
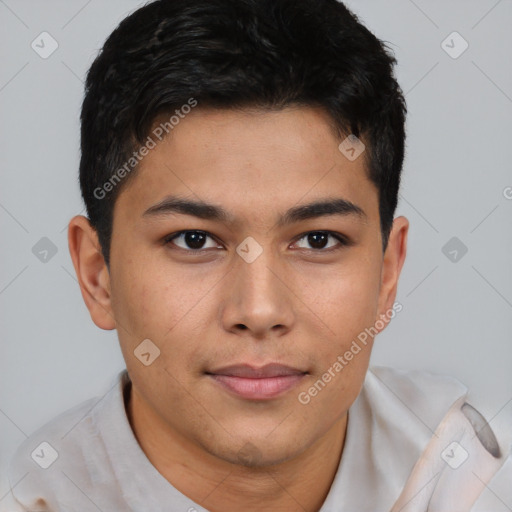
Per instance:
{"type": "Point", "coordinates": [342, 239]}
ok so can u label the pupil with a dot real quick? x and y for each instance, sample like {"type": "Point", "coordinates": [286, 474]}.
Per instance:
{"type": "Point", "coordinates": [194, 240]}
{"type": "Point", "coordinates": [313, 240]}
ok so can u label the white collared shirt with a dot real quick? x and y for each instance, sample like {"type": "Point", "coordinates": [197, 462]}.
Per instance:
{"type": "Point", "coordinates": [88, 459]}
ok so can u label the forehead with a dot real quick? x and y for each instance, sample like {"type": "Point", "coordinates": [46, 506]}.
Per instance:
{"type": "Point", "coordinates": [249, 161]}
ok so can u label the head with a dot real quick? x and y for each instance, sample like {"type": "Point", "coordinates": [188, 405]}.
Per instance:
{"type": "Point", "coordinates": [227, 225]}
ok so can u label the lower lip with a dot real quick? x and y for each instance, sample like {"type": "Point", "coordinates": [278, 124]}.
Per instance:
{"type": "Point", "coordinates": [258, 389]}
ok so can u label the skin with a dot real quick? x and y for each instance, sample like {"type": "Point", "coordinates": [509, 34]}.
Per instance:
{"type": "Point", "coordinates": [295, 304]}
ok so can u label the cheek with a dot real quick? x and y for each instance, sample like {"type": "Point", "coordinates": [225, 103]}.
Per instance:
{"type": "Point", "coordinates": [134, 301]}
{"type": "Point", "coordinates": [139, 300]}
{"type": "Point", "coordinates": [347, 306]}
{"type": "Point", "coordinates": [168, 304]}
{"type": "Point", "coordinates": [346, 298]}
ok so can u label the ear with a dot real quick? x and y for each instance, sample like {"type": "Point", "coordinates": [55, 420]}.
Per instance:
{"type": "Point", "coordinates": [392, 264]}
{"type": "Point", "coordinates": [91, 270]}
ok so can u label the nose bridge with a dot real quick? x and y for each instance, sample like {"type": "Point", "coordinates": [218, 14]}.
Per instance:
{"type": "Point", "coordinates": [258, 298]}
{"type": "Point", "coordinates": [257, 277]}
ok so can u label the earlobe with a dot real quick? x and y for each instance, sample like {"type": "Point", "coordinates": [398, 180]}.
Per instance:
{"type": "Point", "coordinates": [91, 270]}
{"type": "Point", "coordinates": [392, 264]}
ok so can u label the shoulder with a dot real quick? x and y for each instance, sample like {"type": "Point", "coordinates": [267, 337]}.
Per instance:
{"type": "Point", "coordinates": [457, 451]}
{"type": "Point", "coordinates": [61, 431]}
{"type": "Point", "coordinates": [419, 394]}
{"type": "Point", "coordinates": [399, 411]}
{"type": "Point", "coordinates": [64, 445]}
{"type": "Point", "coordinates": [389, 425]}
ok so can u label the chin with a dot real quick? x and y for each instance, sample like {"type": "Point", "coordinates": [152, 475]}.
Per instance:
{"type": "Point", "coordinates": [255, 453]}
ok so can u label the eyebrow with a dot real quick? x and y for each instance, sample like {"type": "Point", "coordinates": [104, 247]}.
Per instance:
{"type": "Point", "coordinates": [320, 208]}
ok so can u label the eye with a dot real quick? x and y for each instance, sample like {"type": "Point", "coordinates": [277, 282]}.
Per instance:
{"type": "Point", "coordinates": [191, 240]}
{"type": "Point", "coordinates": [195, 241]}
{"type": "Point", "coordinates": [318, 240]}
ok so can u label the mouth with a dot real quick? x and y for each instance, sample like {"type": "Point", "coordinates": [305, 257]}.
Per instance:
{"type": "Point", "coordinates": [251, 383]}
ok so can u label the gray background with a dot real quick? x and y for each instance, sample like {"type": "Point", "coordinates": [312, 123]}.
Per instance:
{"type": "Point", "coordinates": [457, 316]}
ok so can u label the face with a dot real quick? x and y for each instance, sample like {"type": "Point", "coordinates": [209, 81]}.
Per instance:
{"type": "Point", "coordinates": [255, 302]}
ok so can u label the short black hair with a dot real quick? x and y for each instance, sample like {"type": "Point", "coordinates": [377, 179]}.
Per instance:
{"type": "Point", "coordinates": [236, 54]}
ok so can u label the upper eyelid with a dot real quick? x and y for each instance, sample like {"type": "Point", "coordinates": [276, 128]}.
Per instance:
{"type": "Point", "coordinates": [334, 234]}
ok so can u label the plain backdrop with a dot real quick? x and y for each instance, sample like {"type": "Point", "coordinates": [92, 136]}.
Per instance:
{"type": "Point", "coordinates": [457, 183]}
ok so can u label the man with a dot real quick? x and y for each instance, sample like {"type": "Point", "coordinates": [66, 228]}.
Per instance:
{"type": "Point", "coordinates": [240, 166]}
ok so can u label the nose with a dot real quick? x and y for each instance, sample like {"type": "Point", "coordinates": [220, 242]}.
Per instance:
{"type": "Point", "coordinates": [259, 299]}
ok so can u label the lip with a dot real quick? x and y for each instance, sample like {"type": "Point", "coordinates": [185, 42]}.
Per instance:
{"type": "Point", "coordinates": [261, 383]}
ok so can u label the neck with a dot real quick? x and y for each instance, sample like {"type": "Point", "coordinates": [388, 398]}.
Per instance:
{"type": "Point", "coordinates": [299, 484]}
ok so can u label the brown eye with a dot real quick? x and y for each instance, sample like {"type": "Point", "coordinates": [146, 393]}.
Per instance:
{"type": "Point", "coordinates": [191, 240]}
{"type": "Point", "coordinates": [319, 240]}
